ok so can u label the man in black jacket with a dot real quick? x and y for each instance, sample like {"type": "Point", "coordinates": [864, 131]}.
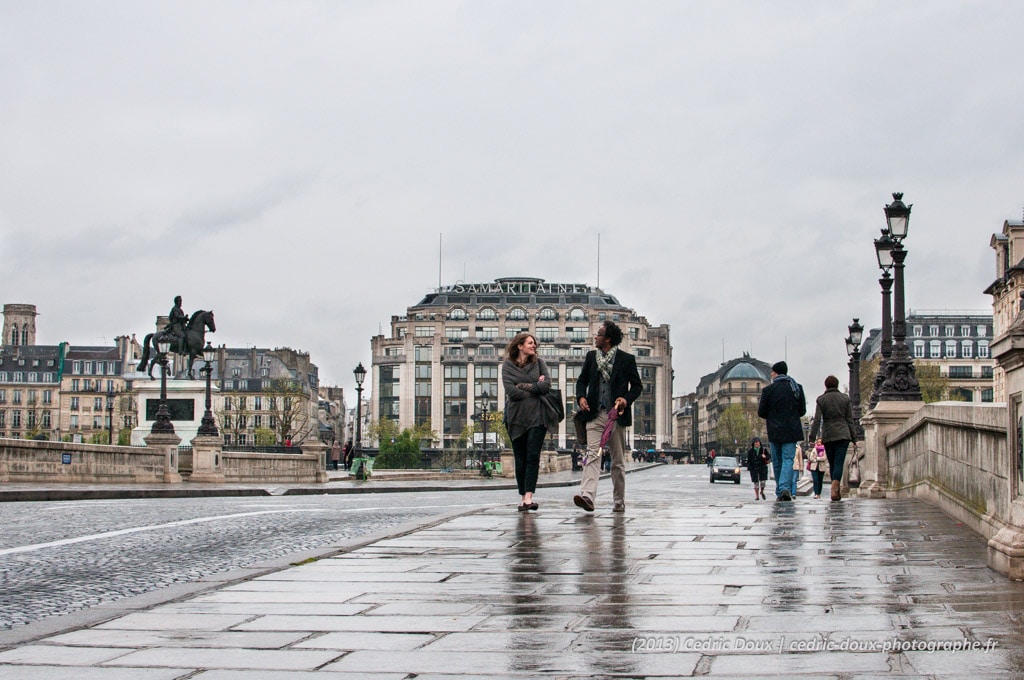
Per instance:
{"type": "Point", "coordinates": [609, 380]}
{"type": "Point", "coordinates": [782, 403]}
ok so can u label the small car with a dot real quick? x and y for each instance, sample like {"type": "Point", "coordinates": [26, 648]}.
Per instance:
{"type": "Point", "coordinates": [725, 467]}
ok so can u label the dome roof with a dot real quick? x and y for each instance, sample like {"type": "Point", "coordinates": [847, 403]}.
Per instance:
{"type": "Point", "coordinates": [744, 370]}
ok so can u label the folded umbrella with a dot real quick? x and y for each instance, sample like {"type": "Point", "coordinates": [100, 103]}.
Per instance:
{"type": "Point", "coordinates": [609, 427]}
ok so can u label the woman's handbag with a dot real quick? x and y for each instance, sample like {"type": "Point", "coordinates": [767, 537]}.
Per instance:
{"type": "Point", "coordinates": [853, 474]}
{"type": "Point", "coordinates": [554, 407]}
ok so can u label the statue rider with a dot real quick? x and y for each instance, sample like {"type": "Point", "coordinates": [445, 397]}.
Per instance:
{"type": "Point", "coordinates": [176, 320]}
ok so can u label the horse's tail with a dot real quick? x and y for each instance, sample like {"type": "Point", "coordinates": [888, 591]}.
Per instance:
{"type": "Point", "coordinates": [145, 352]}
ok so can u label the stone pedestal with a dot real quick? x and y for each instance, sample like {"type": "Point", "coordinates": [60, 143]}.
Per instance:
{"type": "Point", "coordinates": [879, 423]}
{"type": "Point", "coordinates": [169, 444]}
{"type": "Point", "coordinates": [206, 460]}
{"type": "Point", "coordinates": [319, 449]}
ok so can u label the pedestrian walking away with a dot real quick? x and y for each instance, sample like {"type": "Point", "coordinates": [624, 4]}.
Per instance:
{"type": "Point", "coordinates": [757, 464]}
{"type": "Point", "coordinates": [781, 405]}
{"type": "Point", "coordinates": [526, 380]}
{"type": "Point", "coordinates": [833, 423]}
{"type": "Point", "coordinates": [335, 455]}
{"type": "Point", "coordinates": [608, 380]}
{"type": "Point", "coordinates": [347, 454]}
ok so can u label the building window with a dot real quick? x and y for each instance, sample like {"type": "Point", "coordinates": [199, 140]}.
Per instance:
{"type": "Point", "coordinates": [19, 377]}
{"type": "Point", "coordinates": [17, 397]}
{"type": "Point", "coordinates": [986, 395]}
{"type": "Point", "coordinates": [547, 314]}
{"type": "Point", "coordinates": [578, 333]}
{"type": "Point", "coordinates": [965, 331]}
{"type": "Point", "coordinates": [634, 333]}
{"type": "Point", "coordinates": [15, 418]}
{"type": "Point", "coordinates": [919, 349]}
{"type": "Point", "coordinates": [456, 334]}
{"type": "Point", "coordinates": [424, 354]}
{"type": "Point", "coordinates": [257, 403]}
{"type": "Point", "coordinates": [3, 419]}
{"type": "Point", "coordinates": [981, 331]}
{"type": "Point", "coordinates": [935, 349]}
{"type": "Point", "coordinates": [457, 313]}
{"type": "Point", "coordinates": [487, 314]}
{"type": "Point", "coordinates": [547, 333]}
{"type": "Point", "coordinates": [951, 347]}
{"type": "Point", "coordinates": [74, 403]}
{"type": "Point", "coordinates": [487, 332]}
{"type": "Point", "coordinates": [46, 419]}
{"type": "Point", "coordinates": [513, 331]}
{"type": "Point", "coordinates": [76, 367]}
{"type": "Point", "coordinates": [97, 404]}
{"type": "Point", "coordinates": [967, 348]}
{"type": "Point", "coordinates": [74, 422]}
{"type": "Point", "coordinates": [516, 314]}
{"type": "Point", "coordinates": [3, 396]}
{"type": "Point", "coordinates": [986, 371]}
{"type": "Point", "coordinates": [74, 385]}
{"type": "Point", "coordinates": [643, 351]}
{"type": "Point", "coordinates": [917, 331]}
{"type": "Point", "coordinates": [577, 314]}
{"type": "Point", "coordinates": [97, 422]}
{"type": "Point", "coordinates": [86, 385]}
{"type": "Point", "coordinates": [933, 331]}
{"type": "Point", "coordinates": [961, 372]}
{"type": "Point", "coordinates": [983, 350]}
{"type": "Point", "coordinates": [950, 331]}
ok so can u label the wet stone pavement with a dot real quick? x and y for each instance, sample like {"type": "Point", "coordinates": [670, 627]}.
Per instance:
{"type": "Point", "coordinates": [726, 589]}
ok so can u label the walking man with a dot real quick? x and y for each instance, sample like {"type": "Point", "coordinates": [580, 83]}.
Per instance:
{"type": "Point", "coordinates": [609, 380]}
{"type": "Point", "coordinates": [782, 403]}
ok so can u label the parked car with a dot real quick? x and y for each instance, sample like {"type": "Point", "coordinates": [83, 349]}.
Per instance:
{"type": "Point", "coordinates": [726, 467]}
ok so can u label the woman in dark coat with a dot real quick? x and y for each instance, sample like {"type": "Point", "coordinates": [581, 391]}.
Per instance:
{"type": "Point", "coordinates": [757, 464]}
{"type": "Point", "coordinates": [525, 378]}
{"type": "Point", "coordinates": [833, 416]}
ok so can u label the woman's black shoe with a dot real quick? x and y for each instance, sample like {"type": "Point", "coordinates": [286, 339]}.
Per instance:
{"type": "Point", "coordinates": [523, 507]}
{"type": "Point", "coordinates": [533, 506]}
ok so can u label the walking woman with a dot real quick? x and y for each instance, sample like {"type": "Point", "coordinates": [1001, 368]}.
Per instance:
{"type": "Point", "coordinates": [757, 464]}
{"type": "Point", "coordinates": [833, 424]}
{"type": "Point", "coordinates": [525, 378]}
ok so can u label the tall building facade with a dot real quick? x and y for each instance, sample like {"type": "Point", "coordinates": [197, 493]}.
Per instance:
{"type": "Point", "coordinates": [737, 382]}
{"type": "Point", "coordinates": [441, 361]}
{"type": "Point", "coordinates": [1008, 288]}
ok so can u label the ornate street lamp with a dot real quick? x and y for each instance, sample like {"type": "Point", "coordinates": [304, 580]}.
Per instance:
{"type": "Point", "coordinates": [483, 417]}
{"type": "Point", "coordinates": [208, 425]}
{"type": "Point", "coordinates": [853, 341]}
{"type": "Point", "coordinates": [110, 413]}
{"type": "Point", "coordinates": [900, 382]}
{"type": "Point", "coordinates": [162, 424]}
{"type": "Point", "coordinates": [883, 252]}
{"type": "Point", "coordinates": [360, 374]}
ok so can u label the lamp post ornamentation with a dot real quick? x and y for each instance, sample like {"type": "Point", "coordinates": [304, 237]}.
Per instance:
{"type": "Point", "coordinates": [162, 424]}
{"type": "Point", "coordinates": [484, 418]}
{"type": "Point", "coordinates": [900, 381]}
{"type": "Point", "coordinates": [853, 341]}
{"type": "Point", "coordinates": [110, 414]}
{"type": "Point", "coordinates": [208, 425]}
{"type": "Point", "coordinates": [357, 449]}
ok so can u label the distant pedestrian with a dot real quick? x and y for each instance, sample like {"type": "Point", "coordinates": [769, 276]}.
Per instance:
{"type": "Point", "coordinates": [335, 455]}
{"type": "Point", "coordinates": [817, 463]}
{"type": "Point", "coordinates": [526, 378]}
{"type": "Point", "coordinates": [711, 458]}
{"type": "Point", "coordinates": [781, 405]}
{"type": "Point", "coordinates": [833, 415]}
{"type": "Point", "coordinates": [608, 380]}
{"type": "Point", "coordinates": [757, 463]}
{"type": "Point", "coordinates": [347, 454]}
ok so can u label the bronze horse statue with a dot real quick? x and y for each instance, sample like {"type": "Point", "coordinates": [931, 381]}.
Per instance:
{"type": "Point", "coordinates": [191, 345]}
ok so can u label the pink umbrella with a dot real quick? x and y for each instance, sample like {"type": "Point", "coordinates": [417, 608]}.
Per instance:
{"type": "Point", "coordinates": [606, 434]}
{"type": "Point", "coordinates": [609, 427]}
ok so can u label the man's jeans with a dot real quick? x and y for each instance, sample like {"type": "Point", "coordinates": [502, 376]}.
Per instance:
{"type": "Point", "coordinates": [782, 462]}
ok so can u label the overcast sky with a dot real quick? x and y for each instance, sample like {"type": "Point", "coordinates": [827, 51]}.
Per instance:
{"type": "Point", "coordinates": [291, 164]}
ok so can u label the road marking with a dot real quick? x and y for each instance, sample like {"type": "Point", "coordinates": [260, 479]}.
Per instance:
{"type": "Point", "coordinates": [151, 527]}
{"type": "Point", "coordinates": [200, 520]}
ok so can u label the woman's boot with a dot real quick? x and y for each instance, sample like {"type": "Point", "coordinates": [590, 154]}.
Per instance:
{"type": "Point", "coordinates": [836, 493]}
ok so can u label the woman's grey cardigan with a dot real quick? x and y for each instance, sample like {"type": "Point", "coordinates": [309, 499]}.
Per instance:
{"type": "Point", "coordinates": [523, 388]}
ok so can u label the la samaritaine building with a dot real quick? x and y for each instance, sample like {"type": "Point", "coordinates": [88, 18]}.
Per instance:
{"type": "Point", "coordinates": [444, 355]}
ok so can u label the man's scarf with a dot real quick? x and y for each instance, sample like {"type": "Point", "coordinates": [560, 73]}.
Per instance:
{"type": "Point", "coordinates": [605, 361]}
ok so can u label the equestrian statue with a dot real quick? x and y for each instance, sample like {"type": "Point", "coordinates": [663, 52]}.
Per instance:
{"type": "Point", "coordinates": [186, 335]}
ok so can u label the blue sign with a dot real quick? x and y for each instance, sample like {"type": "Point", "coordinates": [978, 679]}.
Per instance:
{"type": "Point", "coordinates": [65, 458]}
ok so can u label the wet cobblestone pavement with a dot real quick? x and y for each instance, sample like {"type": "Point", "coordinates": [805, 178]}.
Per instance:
{"type": "Point", "coordinates": [680, 585]}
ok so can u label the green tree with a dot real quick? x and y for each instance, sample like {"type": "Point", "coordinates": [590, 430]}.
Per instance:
{"type": "Point", "coordinates": [495, 424]}
{"type": "Point", "coordinates": [264, 436]}
{"type": "Point", "coordinates": [734, 427]}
